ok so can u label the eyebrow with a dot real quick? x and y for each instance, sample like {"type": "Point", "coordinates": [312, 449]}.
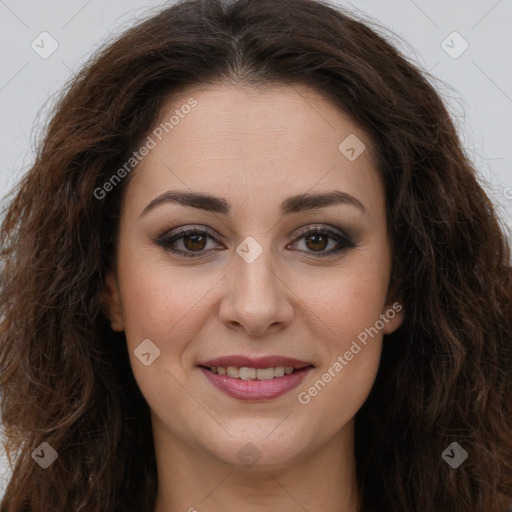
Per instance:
{"type": "Point", "coordinates": [293, 204]}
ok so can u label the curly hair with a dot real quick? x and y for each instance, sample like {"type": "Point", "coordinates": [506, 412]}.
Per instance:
{"type": "Point", "coordinates": [444, 376]}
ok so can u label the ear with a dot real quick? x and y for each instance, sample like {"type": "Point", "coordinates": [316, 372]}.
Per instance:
{"type": "Point", "coordinates": [111, 303]}
{"type": "Point", "coordinates": [393, 312]}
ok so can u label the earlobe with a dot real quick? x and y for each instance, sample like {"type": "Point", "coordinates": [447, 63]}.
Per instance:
{"type": "Point", "coordinates": [111, 303]}
{"type": "Point", "coordinates": [393, 313]}
{"type": "Point", "coordinates": [393, 316]}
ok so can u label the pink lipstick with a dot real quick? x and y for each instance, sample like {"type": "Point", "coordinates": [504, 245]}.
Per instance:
{"type": "Point", "coordinates": [255, 379]}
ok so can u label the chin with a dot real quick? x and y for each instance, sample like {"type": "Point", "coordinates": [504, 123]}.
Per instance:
{"type": "Point", "coordinates": [258, 446]}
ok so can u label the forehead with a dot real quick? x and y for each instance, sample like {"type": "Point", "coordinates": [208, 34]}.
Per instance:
{"type": "Point", "coordinates": [268, 142]}
{"type": "Point", "coordinates": [288, 118]}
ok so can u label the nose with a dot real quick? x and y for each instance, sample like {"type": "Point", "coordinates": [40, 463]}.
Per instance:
{"type": "Point", "coordinates": [257, 299]}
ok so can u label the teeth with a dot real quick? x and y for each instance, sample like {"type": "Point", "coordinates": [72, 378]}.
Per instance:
{"type": "Point", "coordinates": [245, 373]}
{"type": "Point", "coordinates": [279, 371]}
{"type": "Point", "coordinates": [232, 371]}
{"type": "Point", "coordinates": [265, 373]}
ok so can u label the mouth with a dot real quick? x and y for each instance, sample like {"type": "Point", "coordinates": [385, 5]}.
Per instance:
{"type": "Point", "coordinates": [255, 379]}
{"type": "Point", "coordinates": [247, 373]}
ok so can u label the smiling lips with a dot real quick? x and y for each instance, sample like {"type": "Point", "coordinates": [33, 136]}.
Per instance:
{"type": "Point", "coordinates": [255, 379]}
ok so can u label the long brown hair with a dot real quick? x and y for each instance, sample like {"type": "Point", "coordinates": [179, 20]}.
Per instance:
{"type": "Point", "coordinates": [445, 374]}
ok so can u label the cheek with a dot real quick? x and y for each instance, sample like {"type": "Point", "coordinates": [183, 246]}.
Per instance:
{"type": "Point", "coordinates": [162, 304]}
{"type": "Point", "coordinates": [347, 308]}
{"type": "Point", "coordinates": [350, 356]}
{"type": "Point", "coordinates": [347, 314]}
{"type": "Point", "coordinates": [350, 298]}
{"type": "Point", "coordinates": [152, 303]}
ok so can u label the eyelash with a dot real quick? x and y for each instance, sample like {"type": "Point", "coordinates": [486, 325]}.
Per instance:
{"type": "Point", "coordinates": [168, 238]}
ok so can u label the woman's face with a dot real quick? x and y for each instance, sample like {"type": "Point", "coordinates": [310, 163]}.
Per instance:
{"type": "Point", "coordinates": [294, 267]}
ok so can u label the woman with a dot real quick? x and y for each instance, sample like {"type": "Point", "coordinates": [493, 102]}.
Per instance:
{"type": "Point", "coordinates": [252, 268]}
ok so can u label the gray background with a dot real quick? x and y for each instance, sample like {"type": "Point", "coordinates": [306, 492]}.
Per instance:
{"type": "Point", "coordinates": [476, 86]}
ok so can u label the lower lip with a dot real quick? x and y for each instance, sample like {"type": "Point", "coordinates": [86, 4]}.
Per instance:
{"type": "Point", "coordinates": [256, 389]}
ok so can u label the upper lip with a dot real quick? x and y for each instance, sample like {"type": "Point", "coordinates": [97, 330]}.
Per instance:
{"type": "Point", "coordinates": [256, 362]}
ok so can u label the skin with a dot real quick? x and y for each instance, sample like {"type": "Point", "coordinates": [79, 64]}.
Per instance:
{"type": "Point", "coordinates": [255, 148]}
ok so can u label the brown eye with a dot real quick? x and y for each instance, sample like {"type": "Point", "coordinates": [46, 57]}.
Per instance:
{"type": "Point", "coordinates": [194, 242]}
{"type": "Point", "coordinates": [188, 242]}
{"type": "Point", "coordinates": [317, 242]}
{"type": "Point", "coordinates": [317, 239]}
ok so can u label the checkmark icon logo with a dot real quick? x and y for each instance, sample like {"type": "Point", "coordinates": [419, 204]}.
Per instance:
{"type": "Point", "coordinates": [44, 455]}
{"type": "Point", "coordinates": [40, 455]}
{"type": "Point", "coordinates": [44, 45]}
{"type": "Point", "coordinates": [146, 352]}
{"type": "Point", "coordinates": [454, 45]}
{"type": "Point", "coordinates": [454, 455]}
{"type": "Point", "coordinates": [351, 147]}
{"type": "Point", "coordinates": [249, 249]}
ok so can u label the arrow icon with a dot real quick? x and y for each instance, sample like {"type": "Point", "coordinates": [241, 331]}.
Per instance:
{"type": "Point", "coordinates": [454, 45]}
{"type": "Point", "coordinates": [44, 455]}
{"type": "Point", "coordinates": [249, 249]}
{"type": "Point", "coordinates": [249, 455]}
{"type": "Point", "coordinates": [44, 45]}
{"type": "Point", "coordinates": [454, 455]}
{"type": "Point", "coordinates": [146, 352]}
{"type": "Point", "coordinates": [351, 147]}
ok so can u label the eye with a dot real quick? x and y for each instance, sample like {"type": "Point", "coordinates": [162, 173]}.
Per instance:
{"type": "Point", "coordinates": [316, 239]}
{"type": "Point", "coordinates": [192, 242]}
